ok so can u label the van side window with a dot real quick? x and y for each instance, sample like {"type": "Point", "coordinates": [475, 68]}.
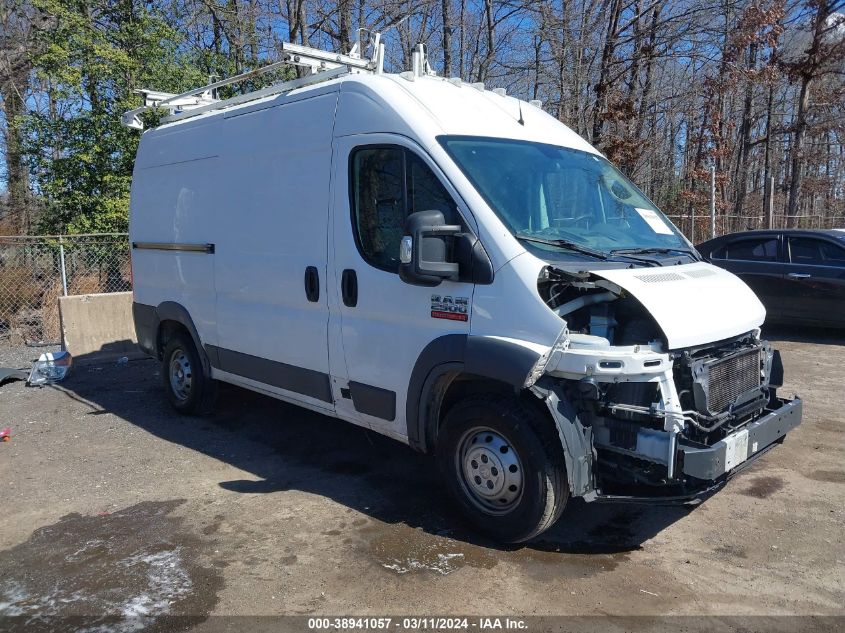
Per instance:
{"type": "Point", "coordinates": [378, 177]}
{"type": "Point", "coordinates": [388, 184]}
{"type": "Point", "coordinates": [425, 193]}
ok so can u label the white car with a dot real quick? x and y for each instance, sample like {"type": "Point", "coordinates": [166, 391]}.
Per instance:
{"type": "Point", "coordinates": [458, 270]}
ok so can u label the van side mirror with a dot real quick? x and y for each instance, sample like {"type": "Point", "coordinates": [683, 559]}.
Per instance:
{"type": "Point", "coordinates": [424, 250]}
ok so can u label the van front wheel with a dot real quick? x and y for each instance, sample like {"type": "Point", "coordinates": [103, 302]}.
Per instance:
{"type": "Point", "coordinates": [503, 465]}
{"type": "Point", "coordinates": [188, 388]}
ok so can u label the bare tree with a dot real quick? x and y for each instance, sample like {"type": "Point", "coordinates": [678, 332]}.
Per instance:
{"type": "Point", "coordinates": [819, 54]}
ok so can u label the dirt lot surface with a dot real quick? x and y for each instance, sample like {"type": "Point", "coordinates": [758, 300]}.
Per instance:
{"type": "Point", "coordinates": [112, 503]}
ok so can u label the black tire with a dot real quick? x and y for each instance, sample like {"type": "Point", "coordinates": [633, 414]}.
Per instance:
{"type": "Point", "coordinates": [521, 440]}
{"type": "Point", "coordinates": [196, 394]}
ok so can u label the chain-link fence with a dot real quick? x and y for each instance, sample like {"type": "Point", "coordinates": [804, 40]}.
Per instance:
{"type": "Point", "coordinates": [36, 270]}
{"type": "Point", "coordinates": [736, 223]}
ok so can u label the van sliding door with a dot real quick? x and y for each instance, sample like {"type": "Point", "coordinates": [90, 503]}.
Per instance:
{"type": "Point", "coordinates": [271, 260]}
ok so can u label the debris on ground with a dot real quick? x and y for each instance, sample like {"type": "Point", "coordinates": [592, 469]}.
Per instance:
{"type": "Point", "coordinates": [5, 434]}
{"type": "Point", "coordinates": [7, 374]}
{"type": "Point", "coordinates": [49, 368]}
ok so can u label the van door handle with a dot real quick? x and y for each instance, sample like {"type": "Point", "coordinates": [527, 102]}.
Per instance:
{"type": "Point", "coordinates": [798, 276]}
{"type": "Point", "coordinates": [312, 284]}
{"type": "Point", "coordinates": [349, 288]}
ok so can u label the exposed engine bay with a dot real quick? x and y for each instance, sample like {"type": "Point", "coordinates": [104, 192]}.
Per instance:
{"type": "Point", "coordinates": [641, 401]}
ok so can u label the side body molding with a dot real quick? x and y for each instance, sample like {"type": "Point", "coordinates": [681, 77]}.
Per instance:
{"type": "Point", "coordinates": [485, 356]}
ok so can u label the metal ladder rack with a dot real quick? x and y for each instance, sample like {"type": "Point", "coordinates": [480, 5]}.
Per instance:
{"type": "Point", "coordinates": [323, 66]}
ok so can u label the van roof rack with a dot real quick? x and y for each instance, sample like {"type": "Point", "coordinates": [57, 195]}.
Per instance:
{"type": "Point", "coordinates": [322, 66]}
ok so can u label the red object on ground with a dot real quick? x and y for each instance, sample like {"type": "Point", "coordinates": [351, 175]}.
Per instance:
{"type": "Point", "coordinates": [5, 434]}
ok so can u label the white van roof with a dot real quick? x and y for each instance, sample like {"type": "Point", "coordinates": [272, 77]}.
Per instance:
{"type": "Point", "coordinates": [460, 108]}
{"type": "Point", "coordinates": [421, 106]}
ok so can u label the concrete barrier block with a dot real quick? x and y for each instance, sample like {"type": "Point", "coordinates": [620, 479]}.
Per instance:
{"type": "Point", "coordinates": [98, 327]}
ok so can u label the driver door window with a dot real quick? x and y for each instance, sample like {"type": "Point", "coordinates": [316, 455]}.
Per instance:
{"type": "Point", "coordinates": [388, 184]}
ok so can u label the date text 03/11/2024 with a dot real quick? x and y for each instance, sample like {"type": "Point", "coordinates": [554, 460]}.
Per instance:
{"type": "Point", "coordinates": [418, 623]}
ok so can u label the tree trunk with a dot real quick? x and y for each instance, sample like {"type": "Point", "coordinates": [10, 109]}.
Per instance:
{"type": "Point", "coordinates": [447, 37]}
{"type": "Point", "coordinates": [741, 173]}
{"type": "Point", "coordinates": [648, 82]}
{"type": "Point", "coordinates": [462, 40]}
{"type": "Point", "coordinates": [561, 69]}
{"type": "Point", "coordinates": [810, 67]}
{"type": "Point", "coordinates": [302, 13]}
{"type": "Point", "coordinates": [17, 175]}
{"type": "Point", "coordinates": [767, 154]}
{"type": "Point", "coordinates": [797, 151]}
{"type": "Point", "coordinates": [234, 35]}
{"type": "Point", "coordinates": [604, 70]}
{"type": "Point", "coordinates": [489, 30]}
{"type": "Point", "coordinates": [345, 26]}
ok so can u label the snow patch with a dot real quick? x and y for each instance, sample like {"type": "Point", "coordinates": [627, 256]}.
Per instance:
{"type": "Point", "coordinates": [442, 564]}
{"type": "Point", "coordinates": [158, 580]}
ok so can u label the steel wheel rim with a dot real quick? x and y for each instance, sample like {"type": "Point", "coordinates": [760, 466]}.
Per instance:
{"type": "Point", "coordinates": [489, 470]}
{"type": "Point", "coordinates": [181, 375]}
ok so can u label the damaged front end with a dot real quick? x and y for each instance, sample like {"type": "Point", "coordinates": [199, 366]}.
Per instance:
{"type": "Point", "coordinates": [651, 420]}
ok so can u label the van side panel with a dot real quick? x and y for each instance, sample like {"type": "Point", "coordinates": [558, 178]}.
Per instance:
{"type": "Point", "coordinates": [276, 163]}
{"type": "Point", "coordinates": [174, 188]}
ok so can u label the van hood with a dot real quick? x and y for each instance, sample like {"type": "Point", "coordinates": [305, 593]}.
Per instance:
{"type": "Point", "coordinates": [694, 304]}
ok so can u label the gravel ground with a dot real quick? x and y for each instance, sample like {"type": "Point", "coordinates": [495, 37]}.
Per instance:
{"type": "Point", "coordinates": [113, 504]}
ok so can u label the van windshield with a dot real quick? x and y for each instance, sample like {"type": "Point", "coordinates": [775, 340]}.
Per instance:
{"type": "Point", "coordinates": [555, 198]}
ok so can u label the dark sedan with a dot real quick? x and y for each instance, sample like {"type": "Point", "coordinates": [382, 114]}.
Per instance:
{"type": "Point", "coordinates": [799, 275]}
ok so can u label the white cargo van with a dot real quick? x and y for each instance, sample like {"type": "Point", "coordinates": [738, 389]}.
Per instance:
{"type": "Point", "coordinates": [453, 268]}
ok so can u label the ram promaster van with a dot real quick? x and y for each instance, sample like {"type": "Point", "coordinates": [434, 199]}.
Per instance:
{"type": "Point", "coordinates": [456, 269]}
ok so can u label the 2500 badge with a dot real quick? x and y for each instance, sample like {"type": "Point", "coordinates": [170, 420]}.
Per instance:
{"type": "Point", "coordinates": [451, 308]}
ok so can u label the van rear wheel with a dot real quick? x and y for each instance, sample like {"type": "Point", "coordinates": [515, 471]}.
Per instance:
{"type": "Point", "coordinates": [503, 465]}
{"type": "Point", "coordinates": [188, 388]}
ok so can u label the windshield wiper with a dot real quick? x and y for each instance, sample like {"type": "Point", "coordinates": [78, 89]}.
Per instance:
{"type": "Point", "coordinates": [572, 246]}
{"type": "Point", "coordinates": [651, 250]}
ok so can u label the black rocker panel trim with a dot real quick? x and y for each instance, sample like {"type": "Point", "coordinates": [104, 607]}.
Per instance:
{"type": "Point", "coordinates": [307, 382]}
{"type": "Point", "coordinates": [374, 401]}
{"type": "Point", "coordinates": [146, 327]}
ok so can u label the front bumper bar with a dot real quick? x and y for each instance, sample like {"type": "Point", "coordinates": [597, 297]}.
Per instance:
{"type": "Point", "coordinates": [715, 465]}
{"type": "Point", "coordinates": [741, 446]}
